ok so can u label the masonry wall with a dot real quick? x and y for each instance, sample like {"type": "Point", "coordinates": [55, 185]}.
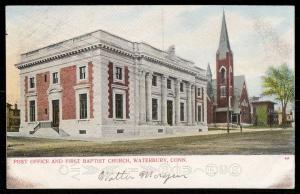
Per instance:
{"type": "Point", "coordinates": [245, 110]}
{"type": "Point", "coordinates": [25, 98]}
{"type": "Point", "coordinates": [221, 117]}
{"type": "Point", "coordinates": [210, 111]}
{"type": "Point", "coordinates": [42, 85]}
{"type": "Point", "coordinates": [91, 78]}
{"type": "Point", "coordinates": [223, 101]}
{"type": "Point", "coordinates": [68, 81]}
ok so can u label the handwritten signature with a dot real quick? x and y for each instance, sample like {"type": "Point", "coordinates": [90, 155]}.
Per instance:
{"type": "Point", "coordinates": [126, 175]}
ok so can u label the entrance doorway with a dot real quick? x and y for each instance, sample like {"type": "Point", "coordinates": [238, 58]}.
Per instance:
{"type": "Point", "coordinates": [170, 112]}
{"type": "Point", "coordinates": [55, 113]}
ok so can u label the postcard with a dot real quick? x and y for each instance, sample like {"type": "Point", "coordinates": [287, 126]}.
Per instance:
{"type": "Point", "coordinates": [150, 96]}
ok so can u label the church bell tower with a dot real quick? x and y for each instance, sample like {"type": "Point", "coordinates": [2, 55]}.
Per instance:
{"type": "Point", "coordinates": [224, 69]}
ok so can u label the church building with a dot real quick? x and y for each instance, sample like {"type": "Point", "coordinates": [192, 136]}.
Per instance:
{"type": "Point", "coordinates": [102, 85]}
{"type": "Point", "coordinates": [227, 95]}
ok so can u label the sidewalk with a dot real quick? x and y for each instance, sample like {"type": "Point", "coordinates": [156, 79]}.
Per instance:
{"type": "Point", "coordinates": [133, 138]}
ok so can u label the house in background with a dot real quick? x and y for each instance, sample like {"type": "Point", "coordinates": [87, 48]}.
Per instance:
{"type": "Point", "coordinates": [227, 94]}
{"type": "Point", "coordinates": [289, 116]}
{"type": "Point", "coordinates": [12, 118]}
{"type": "Point", "coordinates": [263, 113]}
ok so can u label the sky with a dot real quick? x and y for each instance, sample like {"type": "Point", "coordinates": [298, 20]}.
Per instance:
{"type": "Point", "coordinates": [260, 36]}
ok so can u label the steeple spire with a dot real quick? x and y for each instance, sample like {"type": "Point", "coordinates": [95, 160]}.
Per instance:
{"type": "Point", "coordinates": [209, 87]}
{"type": "Point", "coordinates": [208, 71]}
{"type": "Point", "coordinates": [224, 45]}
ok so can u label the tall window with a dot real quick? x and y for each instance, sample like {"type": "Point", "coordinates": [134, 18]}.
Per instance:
{"type": "Point", "coordinates": [154, 109]}
{"type": "Point", "coordinates": [181, 111]}
{"type": "Point", "coordinates": [119, 73]}
{"type": "Point", "coordinates": [32, 82]}
{"type": "Point", "coordinates": [82, 72]}
{"type": "Point", "coordinates": [154, 80]}
{"type": "Point", "coordinates": [169, 84]}
{"type": "Point", "coordinates": [223, 91]}
{"type": "Point", "coordinates": [119, 106]}
{"type": "Point", "coordinates": [199, 113]}
{"type": "Point", "coordinates": [55, 77]}
{"type": "Point", "coordinates": [223, 75]}
{"type": "Point", "coordinates": [181, 86]}
{"type": "Point", "coordinates": [83, 106]}
{"type": "Point", "coordinates": [32, 110]}
{"type": "Point", "coordinates": [198, 91]}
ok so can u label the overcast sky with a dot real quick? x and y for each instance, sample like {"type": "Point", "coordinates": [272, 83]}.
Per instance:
{"type": "Point", "coordinates": [260, 36]}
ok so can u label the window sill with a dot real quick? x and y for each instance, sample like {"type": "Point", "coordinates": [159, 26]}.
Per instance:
{"type": "Point", "coordinates": [119, 81]}
{"type": "Point", "coordinates": [156, 121]}
{"type": "Point", "coordinates": [83, 120]}
{"type": "Point", "coordinates": [115, 119]}
{"type": "Point", "coordinates": [32, 122]}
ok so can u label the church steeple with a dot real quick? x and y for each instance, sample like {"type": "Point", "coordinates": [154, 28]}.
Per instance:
{"type": "Point", "coordinates": [224, 45]}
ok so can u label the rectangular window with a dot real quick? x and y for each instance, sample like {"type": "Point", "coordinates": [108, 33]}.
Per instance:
{"type": "Point", "coordinates": [32, 110]}
{"type": "Point", "coordinates": [154, 80]}
{"type": "Point", "coordinates": [45, 76]}
{"type": "Point", "coordinates": [223, 91]}
{"type": "Point", "coordinates": [169, 84]}
{"type": "Point", "coordinates": [55, 77]}
{"type": "Point", "coordinates": [83, 106]}
{"type": "Point", "coordinates": [82, 72]}
{"type": "Point", "coordinates": [181, 86]}
{"type": "Point", "coordinates": [198, 91]}
{"type": "Point", "coordinates": [154, 109]}
{"type": "Point", "coordinates": [181, 111]}
{"type": "Point", "coordinates": [119, 73]}
{"type": "Point", "coordinates": [32, 82]}
{"type": "Point", "coordinates": [119, 106]}
{"type": "Point", "coordinates": [199, 113]}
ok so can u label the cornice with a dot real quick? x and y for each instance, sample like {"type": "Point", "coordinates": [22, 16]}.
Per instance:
{"type": "Point", "coordinates": [109, 48]}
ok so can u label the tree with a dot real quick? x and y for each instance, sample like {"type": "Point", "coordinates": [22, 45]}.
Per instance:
{"type": "Point", "coordinates": [280, 83]}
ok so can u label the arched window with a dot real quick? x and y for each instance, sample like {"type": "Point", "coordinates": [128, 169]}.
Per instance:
{"type": "Point", "coordinates": [223, 75]}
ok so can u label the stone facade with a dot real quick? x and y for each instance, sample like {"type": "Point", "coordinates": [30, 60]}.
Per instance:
{"type": "Point", "coordinates": [101, 85]}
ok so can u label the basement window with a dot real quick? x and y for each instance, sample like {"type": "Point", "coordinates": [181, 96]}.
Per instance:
{"type": "Point", "coordinates": [120, 130]}
{"type": "Point", "coordinates": [160, 130]}
{"type": "Point", "coordinates": [82, 131]}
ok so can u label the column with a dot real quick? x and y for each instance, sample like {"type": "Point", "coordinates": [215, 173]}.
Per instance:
{"type": "Point", "coordinates": [149, 97]}
{"type": "Point", "coordinates": [205, 105]}
{"type": "Point", "coordinates": [193, 103]}
{"type": "Point", "coordinates": [142, 98]}
{"type": "Point", "coordinates": [177, 101]}
{"type": "Point", "coordinates": [196, 105]}
{"type": "Point", "coordinates": [189, 103]}
{"type": "Point", "coordinates": [164, 100]}
{"type": "Point", "coordinates": [137, 95]}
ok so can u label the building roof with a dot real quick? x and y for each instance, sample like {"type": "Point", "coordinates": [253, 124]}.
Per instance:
{"type": "Point", "coordinates": [263, 101]}
{"type": "Point", "coordinates": [224, 45]}
{"type": "Point", "coordinates": [238, 88]}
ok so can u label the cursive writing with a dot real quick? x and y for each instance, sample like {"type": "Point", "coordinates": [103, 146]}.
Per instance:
{"type": "Point", "coordinates": [127, 175]}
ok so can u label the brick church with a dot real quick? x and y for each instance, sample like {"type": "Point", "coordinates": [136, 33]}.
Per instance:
{"type": "Point", "coordinates": [227, 95]}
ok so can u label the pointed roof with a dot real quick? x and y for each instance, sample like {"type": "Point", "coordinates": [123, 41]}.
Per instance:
{"type": "Point", "coordinates": [208, 71]}
{"type": "Point", "coordinates": [224, 45]}
{"type": "Point", "coordinates": [210, 91]}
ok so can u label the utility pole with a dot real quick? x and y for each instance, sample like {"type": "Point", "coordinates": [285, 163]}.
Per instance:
{"type": "Point", "coordinates": [228, 116]}
{"type": "Point", "coordinates": [228, 91]}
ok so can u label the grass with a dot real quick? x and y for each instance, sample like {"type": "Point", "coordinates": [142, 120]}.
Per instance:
{"type": "Point", "coordinates": [262, 142]}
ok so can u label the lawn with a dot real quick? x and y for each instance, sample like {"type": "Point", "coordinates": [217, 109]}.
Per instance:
{"type": "Point", "coordinates": [262, 142]}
